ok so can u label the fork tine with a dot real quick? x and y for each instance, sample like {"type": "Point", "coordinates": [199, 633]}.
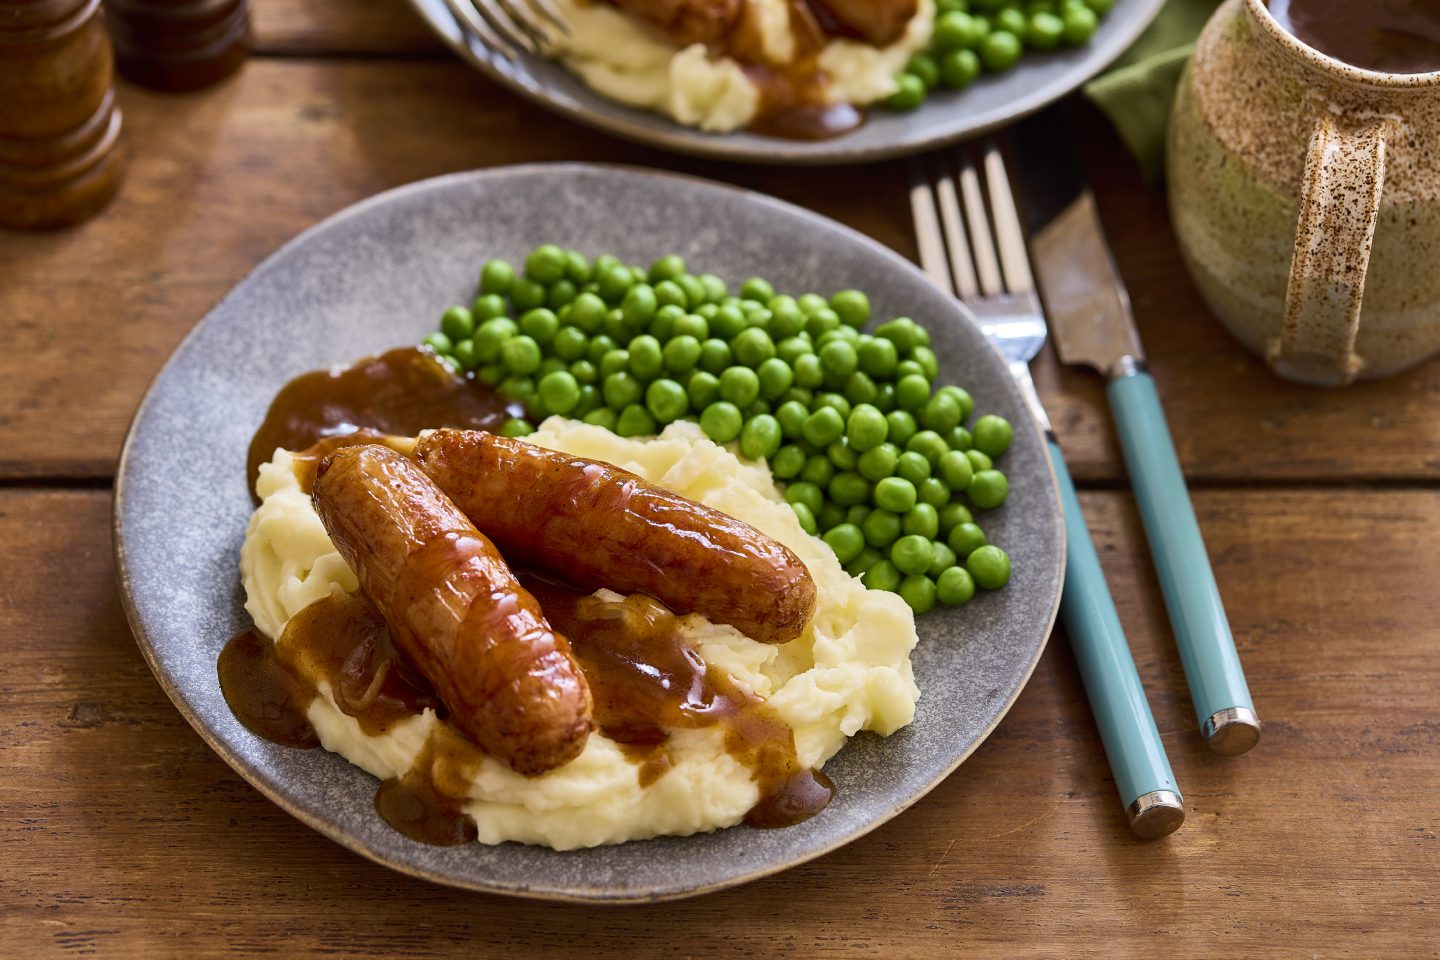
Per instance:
{"type": "Point", "coordinates": [501, 22]}
{"type": "Point", "coordinates": [470, 19]}
{"type": "Point", "coordinates": [927, 228]}
{"type": "Point", "coordinates": [552, 13]}
{"type": "Point", "coordinates": [982, 244]}
{"type": "Point", "coordinates": [1008, 236]}
{"type": "Point", "coordinates": [524, 16]}
{"type": "Point", "coordinates": [962, 264]}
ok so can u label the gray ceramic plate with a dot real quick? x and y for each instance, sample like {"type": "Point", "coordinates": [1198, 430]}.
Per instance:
{"type": "Point", "coordinates": [991, 102]}
{"type": "Point", "coordinates": [377, 275]}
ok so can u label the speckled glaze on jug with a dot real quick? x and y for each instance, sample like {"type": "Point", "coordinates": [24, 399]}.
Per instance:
{"type": "Point", "coordinates": [1305, 194]}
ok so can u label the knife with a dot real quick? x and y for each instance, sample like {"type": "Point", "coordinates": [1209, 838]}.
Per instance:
{"type": "Point", "coordinates": [1092, 324]}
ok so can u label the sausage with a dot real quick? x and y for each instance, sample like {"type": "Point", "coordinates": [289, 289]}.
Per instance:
{"type": "Point", "coordinates": [455, 609]}
{"type": "Point", "coordinates": [600, 526]}
{"type": "Point", "coordinates": [686, 21]}
{"type": "Point", "coordinates": [878, 22]}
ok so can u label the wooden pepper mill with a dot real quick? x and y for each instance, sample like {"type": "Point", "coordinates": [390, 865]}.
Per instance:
{"type": "Point", "coordinates": [178, 44]}
{"type": "Point", "coordinates": [59, 124]}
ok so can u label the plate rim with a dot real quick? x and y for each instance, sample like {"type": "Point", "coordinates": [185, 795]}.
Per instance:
{"type": "Point", "coordinates": [687, 141]}
{"type": "Point", "coordinates": [241, 765]}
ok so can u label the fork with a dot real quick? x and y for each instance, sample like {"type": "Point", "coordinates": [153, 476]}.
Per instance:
{"type": "Point", "coordinates": [512, 27]}
{"type": "Point", "coordinates": [975, 251]}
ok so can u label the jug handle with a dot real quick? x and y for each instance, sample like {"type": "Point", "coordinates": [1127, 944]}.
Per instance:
{"type": "Point", "coordinates": [1340, 203]}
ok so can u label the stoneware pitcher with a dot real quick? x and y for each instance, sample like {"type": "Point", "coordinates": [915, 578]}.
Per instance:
{"type": "Point", "coordinates": [1305, 194]}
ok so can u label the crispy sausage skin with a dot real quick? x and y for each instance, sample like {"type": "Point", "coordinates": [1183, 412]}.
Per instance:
{"type": "Point", "coordinates": [686, 21]}
{"type": "Point", "coordinates": [878, 22]}
{"type": "Point", "coordinates": [455, 609]}
{"type": "Point", "coordinates": [600, 526]}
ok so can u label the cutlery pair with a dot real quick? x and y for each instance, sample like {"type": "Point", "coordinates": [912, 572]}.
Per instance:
{"type": "Point", "coordinates": [976, 251]}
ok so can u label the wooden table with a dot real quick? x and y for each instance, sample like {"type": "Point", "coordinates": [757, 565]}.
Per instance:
{"type": "Point", "coordinates": [124, 836]}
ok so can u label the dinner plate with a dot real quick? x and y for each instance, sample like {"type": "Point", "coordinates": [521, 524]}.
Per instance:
{"type": "Point", "coordinates": [379, 274]}
{"type": "Point", "coordinates": [947, 116]}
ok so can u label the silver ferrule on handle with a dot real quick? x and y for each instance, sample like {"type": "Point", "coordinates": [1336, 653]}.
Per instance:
{"type": "Point", "coordinates": [1126, 366]}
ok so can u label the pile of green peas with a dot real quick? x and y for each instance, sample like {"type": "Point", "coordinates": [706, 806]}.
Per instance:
{"type": "Point", "coordinates": [872, 458]}
{"type": "Point", "coordinates": [989, 36]}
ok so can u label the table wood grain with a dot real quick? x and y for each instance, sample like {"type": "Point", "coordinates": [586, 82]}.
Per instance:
{"type": "Point", "coordinates": [123, 836]}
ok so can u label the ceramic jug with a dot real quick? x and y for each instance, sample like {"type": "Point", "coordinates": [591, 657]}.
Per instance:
{"type": "Point", "coordinates": [1305, 194]}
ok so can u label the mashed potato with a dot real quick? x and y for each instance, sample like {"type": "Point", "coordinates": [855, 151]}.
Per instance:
{"type": "Point", "coordinates": [630, 61]}
{"type": "Point", "coordinates": [849, 672]}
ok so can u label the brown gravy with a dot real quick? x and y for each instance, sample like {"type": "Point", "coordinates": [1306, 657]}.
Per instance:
{"type": "Point", "coordinates": [400, 392]}
{"type": "Point", "coordinates": [1391, 36]}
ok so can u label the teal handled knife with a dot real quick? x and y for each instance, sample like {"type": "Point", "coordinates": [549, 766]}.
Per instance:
{"type": "Point", "coordinates": [1091, 320]}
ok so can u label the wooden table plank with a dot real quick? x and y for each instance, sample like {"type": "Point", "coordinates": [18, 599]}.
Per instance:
{"type": "Point", "coordinates": [221, 178]}
{"type": "Point", "coordinates": [355, 27]}
{"type": "Point", "coordinates": [126, 837]}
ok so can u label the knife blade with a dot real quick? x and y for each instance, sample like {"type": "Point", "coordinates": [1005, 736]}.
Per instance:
{"type": "Point", "coordinates": [1092, 324]}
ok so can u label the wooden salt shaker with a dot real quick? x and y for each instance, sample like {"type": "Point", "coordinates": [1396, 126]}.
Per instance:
{"type": "Point", "coordinates": [178, 44]}
{"type": "Point", "coordinates": [59, 124]}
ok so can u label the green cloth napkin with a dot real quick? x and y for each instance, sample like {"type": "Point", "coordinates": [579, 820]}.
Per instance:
{"type": "Point", "coordinates": [1137, 91]}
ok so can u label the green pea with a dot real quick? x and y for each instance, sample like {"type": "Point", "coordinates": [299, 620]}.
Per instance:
{"type": "Point", "coordinates": [549, 365]}
{"type": "Point", "coordinates": [757, 289]}
{"type": "Point", "coordinates": [577, 268]}
{"type": "Point", "coordinates": [488, 307]}
{"type": "Point", "coordinates": [490, 374]}
{"type": "Point", "coordinates": [526, 294]}
{"type": "Point", "coordinates": [965, 539]}
{"type": "Point", "coordinates": [569, 343]}
{"type": "Point", "coordinates": [515, 427]}
{"type": "Point", "coordinates": [520, 354]}
{"type": "Point", "coordinates": [988, 489]}
{"type": "Point", "coordinates": [924, 66]}
{"type": "Point", "coordinates": [959, 69]}
{"type": "Point", "coordinates": [993, 435]}
{"type": "Point", "coordinates": [944, 559]}
{"type": "Point", "coordinates": [715, 356]}
{"type": "Point", "coordinates": [707, 311]}
{"type": "Point", "coordinates": [671, 294]}
{"type": "Point", "coordinates": [848, 489]}
{"type": "Point", "coordinates": [838, 359]}
{"type": "Point", "coordinates": [438, 342]}
{"type": "Point", "coordinates": [635, 421]}
{"type": "Point", "coordinates": [955, 469]}
{"type": "Point", "coordinates": [928, 444]}
{"type": "Point", "coordinates": [960, 439]}
{"type": "Point", "coordinates": [923, 520]}
{"type": "Point", "coordinates": [929, 363]}
{"type": "Point", "coordinates": [497, 276]}
{"type": "Point", "coordinates": [1080, 25]}
{"type": "Point", "coordinates": [859, 388]}
{"type": "Point", "coordinates": [895, 494]}
{"type": "Point", "coordinates": [835, 400]}
{"type": "Point", "coordinates": [1101, 7]}
{"type": "Point", "coordinates": [912, 392]}
{"type": "Point", "coordinates": [715, 289]}
{"type": "Point", "coordinates": [866, 428]}
{"type": "Point", "coordinates": [667, 268]}
{"type": "Point", "coordinates": [908, 368]}
{"type": "Point", "coordinates": [909, 92]}
{"type": "Point", "coordinates": [955, 587]}
{"type": "Point", "coordinates": [647, 361]}
{"type": "Point", "coordinates": [800, 395]}
{"type": "Point", "coordinates": [546, 264]}
{"type": "Point", "coordinates": [465, 355]}
{"type": "Point", "coordinates": [517, 388]}
{"type": "Point", "coordinates": [600, 345]}
{"type": "Point", "coordinates": [681, 354]}
{"type": "Point", "coordinates": [786, 318]}
{"type": "Point", "coordinates": [584, 372]}
{"type": "Point", "coordinates": [808, 372]}
{"type": "Point", "coordinates": [690, 325]}
{"type": "Point", "coordinates": [912, 554]}
{"type": "Point", "coordinates": [952, 515]}
{"type": "Point", "coordinates": [776, 376]}
{"type": "Point", "coordinates": [491, 335]}
{"type": "Point", "coordinates": [788, 461]}
{"type": "Point", "coordinates": [900, 331]}
{"type": "Point", "coordinates": [805, 493]}
{"type": "Point", "coordinates": [791, 416]}
{"type": "Point", "coordinates": [863, 561]}
{"type": "Point", "coordinates": [990, 566]}
{"type": "Point", "coordinates": [703, 389]}
{"type": "Point", "coordinates": [457, 323]}
{"type": "Point", "coordinates": [621, 390]}
{"type": "Point", "coordinates": [822, 323]}
{"type": "Point", "coordinates": [881, 528]}
{"type": "Point", "coordinates": [823, 426]}
{"type": "Point", "coordinates": [883, 576]}
{"type": "Point", "coordinates": [913, 467]}
{"type": "Point", "coordinates": [842, 454]}
{"type": "Point", "coordinates": [612, 284]}
{"type": "Point", "coordinates": [562, 293]}
{"type": "Point", "coordinates": [879, 462]}
{"type": "Point", "coordinates": [932, 490]}
{"type": "Point", "coordinates": [1001, 50]}
{"type": "Point", "coordinates": [639, 306]}
{"type": "Point", "coordinates": [1012, 19]}
{"type": "Point", "coordinates": [852, 306]}
{"type": "Point", "coordinates": [539, 325]}
{"type": "Point", "coordinates": [793, 348]}
{"type": "Point", "coordinates": [559, 392]}
{"type": "Point", "coordinates": [602, 417]}
{"type": "Point", "coordinates": [760, 437]}
{"type": "Point", "coordinates": [885, 397]}
{"type": "Point", "coordinates": [806, 516]}
{"type": "Point", "coordinates": [755, 408]}
{"type": "Point", "coordinates": [721, 421]}
{"type": "Point", "coordinates": [812, 303]}
{"type": "Point", "coordinates": [857, 513]}
{"type": "Point", "coordinates": [878, 357]}
{"type": "Point", "coordinates": [818, 470]}
{"type": "Point", "coordinates": [616, 361]}
{"type": "Point", "coordinates": [846, 541]}
{"type": "Point", "coordinates": [956, 31]}
{"type": "Point", "coordinates": [979, 461]}
{"type": "Point", "coordinates": [662, 325]}
{"type": "Point", "coordinates": [728, 322]}
{"type": "Point", "coordinates": [739, 385]}
{"type": "Point", "coordinates": [1044, 31]}
{"type": "Point", "coordinates": [941, 413]}
{"type": "Point", "coordinates": [902, 426]}
{"type": "Point", "coordinates": [753, 346]}
{"type": "Point", "coordinates": [829, 516]}
{"type": "Point", "coordinates": [666, 400]}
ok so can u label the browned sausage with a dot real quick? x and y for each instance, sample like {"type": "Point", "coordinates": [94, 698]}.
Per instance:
{"type": "Point", "coordinates": [686, 21]}
{"type": "Point", "coordinates": [877, 22]}
{"type": "Point", "coordinates": [600, 526]}
{"type": "Point", "coordinates": [455, 609]}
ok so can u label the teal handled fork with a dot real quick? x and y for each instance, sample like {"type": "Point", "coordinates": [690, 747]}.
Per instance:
{"type": "Point", "coordinates": [978, 255]}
